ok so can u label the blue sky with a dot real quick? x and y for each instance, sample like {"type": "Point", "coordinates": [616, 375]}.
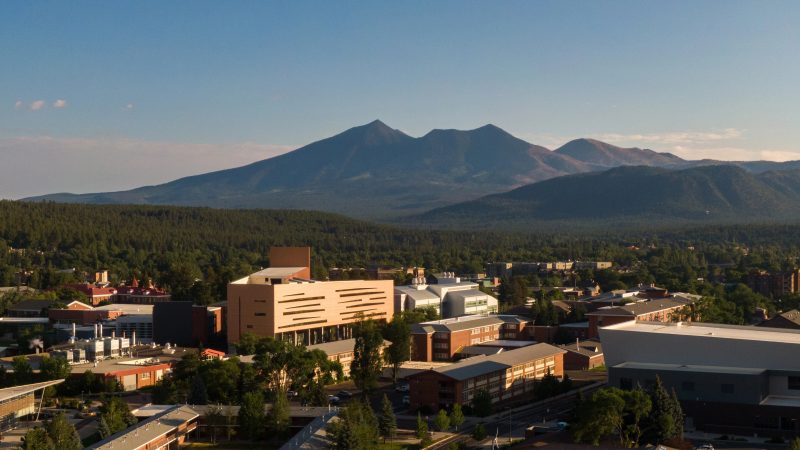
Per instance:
{"type": "Point", "coordinates": [112, 95]}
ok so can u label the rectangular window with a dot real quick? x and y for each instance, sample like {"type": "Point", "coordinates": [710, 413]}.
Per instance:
{"type": "Point", "coordinates": [793, 383]}
{"type": "Point", "coordinates": [144, 376]}
{"type": "Point", "coordinates": [261, 314]}
{"type": "Point", "coordinates": [727, 388]}
{"type": "Point", "coordinates": [687, 386]}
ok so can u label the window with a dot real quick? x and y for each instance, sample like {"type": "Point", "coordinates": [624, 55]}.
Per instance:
{"type": "Point", "coordinates": [144, 376]}
{"type": "Point", "coordinates": [687, 386]}
{"type": "Point", "coordinates": [727, 388]}
{"type": "Point", "coordinates": [794, 383]}
{"type": "Point", "coordinates": [261, 314]}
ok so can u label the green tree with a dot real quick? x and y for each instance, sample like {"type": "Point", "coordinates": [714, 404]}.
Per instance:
{"type": "Point", "coordinates": [251, 415]}
{"type": "Point", "coordinates": [795, 444]}
{"type": "Point", "coordinates": [367, 364]}
{"type": "Point", "coordinates": [548, 386]}
{"type": "Point", "coordinates": [422, 431]}
{"type": "Point", "coordinates": [442, 420]}
{"type": "Point", "coordinates": [482, 403]}
{"type": "Point", "coordinates": [598, 417]}
{"type": "Point", "coordinates": [102, 428]}
{"type": "Point", "coordinates": [278, 419]}
{"type": "Point", "coordinates": [54, 368]}
{"type": "Point", "coordinates": [37, 439]}
{"type": "Point", "coordinates": [456, 416]}
{"type": "Point", "coordinates": [198, 395]}
{"type": "Point", "coordinates": [356, 429]}
{"type": "Point", "coordinates": [479, 433]}
{"type": "Point", "coordinates": [661, 424]}
{"type": "Point", "coordinates": [117, 414]}
{"type": "Point", "coordinates": [387, 422]}
{"type": "Point", "coordinates": [23, 372]}
{"type": "Point", "coordinates": [63, 434]}
{"type": "Point", "coordinates": [399, 334]}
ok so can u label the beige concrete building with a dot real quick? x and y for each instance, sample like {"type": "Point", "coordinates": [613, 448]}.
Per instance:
{"type": "Point", "coordinates": [283, 302]}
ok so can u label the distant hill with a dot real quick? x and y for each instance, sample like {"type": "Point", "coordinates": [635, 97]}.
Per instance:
{"type": "Point", "coordinates": [374, 171]}
{"type": "Point", "coordinates": [592, 151]}
{"type": "Point", "coordinates": [701, 194]}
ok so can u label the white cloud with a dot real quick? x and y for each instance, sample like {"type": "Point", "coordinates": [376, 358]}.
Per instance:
{"type": "Point", "coordinates": [18, 104]}
{"type": "Point", "coordinates": [37, 105]}
{"type": "Point", "coordinates": [103, 164]}
{"type": "Point", "coordinates": [129, 106]}
{"type": "Point", "coordinates": [60, 103]}
{"type": "Point", "coordinates": [674, 137]}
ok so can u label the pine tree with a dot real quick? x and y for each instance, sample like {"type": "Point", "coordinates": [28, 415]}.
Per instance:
{"type": "Point", "coordinates": [198, 395]}
{"type": "Point", "coordinates": [662, 424]}
{"type": "Point", "coordinates": [422, 431]}
{"type": "Point", "coordinates": [387, 422]}
{"type": "Point", "coordinates": [37, 439]}
{"type": "Point", "coordinates": [278, 419]}
{"type": "Point", "coordinates": [456, 416]}
{"type": "Point", "coordinates": [103, 429]}
{"type": "Point", "coordinates": [63, 433]}
{"type": "Point", "coordinates": [442, 420]}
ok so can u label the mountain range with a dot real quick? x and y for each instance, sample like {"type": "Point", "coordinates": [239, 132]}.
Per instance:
{"type": "Point", "coordinates": [705, 194]}
{"type": "Point", "coordinates": [377, 172]}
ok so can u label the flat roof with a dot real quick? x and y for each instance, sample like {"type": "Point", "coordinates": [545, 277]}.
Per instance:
{"type": "Point", "coordinates": [126, 308]}
{"type": "Point", "coordinates": [480, 365]}
{"type": "Point", "coordinates": [691, 368]}
{"type": "Point", "coordinates": [23, 320]}
{"type": "Point", "coordinates": [18, 391]}
{"type": "Point", "coordinates": [148, 430]}
{"type": "Point", "coordinates": [262, 276]}
{"type": "Point", "coordinates": [505, 343]}
{"type": "Point", "coordinates": [121, 364]}
{"type": "Point", "coordinates": [456, 323]}
{"type": "Point", "coordinates": [711, 330]}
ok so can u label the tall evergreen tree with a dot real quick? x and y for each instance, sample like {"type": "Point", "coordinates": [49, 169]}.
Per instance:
{"type": "Point", "coordinates": [102, 428]}
{"type": "Point", "coordinates": [63, 434]}
{"type": "Point", "coordinates": [399, 334]}
{"type": "Point", "coordinates": [387, 422]}
{"type": "Point", "coordinates": [456, 416]}
{"type": "Point", "coordinates": [37, 439]}
{"type": "Point", "coordinates": [278, 418]}
{"type": "Point", "coordinates": [198, 395]}
{"type": "Point", "coordinates": [422, 431]}
{"type": "Point", "coordinates": [442, 420]}
{"type": "Point", "coordinates": [356, 429]}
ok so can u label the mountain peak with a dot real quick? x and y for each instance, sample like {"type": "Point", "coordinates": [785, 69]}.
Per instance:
{"type": "Point", "coordinates": [607, 155]}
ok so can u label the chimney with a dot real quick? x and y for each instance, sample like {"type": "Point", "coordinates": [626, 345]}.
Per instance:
{"type": "Point", "coordinates": [95, 331]}
{"type": "Point", "coordinates": [133, 337]}
{"type": "Point", "coordinates": [73, 330]}
{"type": "Point", "coordinates": [101, 331]}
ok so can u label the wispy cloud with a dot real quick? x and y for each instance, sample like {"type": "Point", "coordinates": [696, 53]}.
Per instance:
{"type": "Point", "coordinates": [18, 104]}
{"type": "Point", "coordinates": [674, 137]}
{"type": "Point", "coordinates": [129, 106]}
{"type": "Point", "coordinates": [37, 105]}
{"type": "Point", "coordinates": [60, 103]}
{"type": "Point", "coordinates": [106, 164]}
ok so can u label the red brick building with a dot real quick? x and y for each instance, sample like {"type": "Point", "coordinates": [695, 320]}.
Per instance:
{"type": "Point", "coordinates": [441, 340]}
{"type": "Point", "coordinates": [81, 314]}
{"type": "Point", "coordinates": [504, 376]}
{"type": "Point", "coordinates": [583, 355]}
{"type": "Point", "coordinates": [95, 295]}
{"type": "Point", "coordinates": [661, 310]}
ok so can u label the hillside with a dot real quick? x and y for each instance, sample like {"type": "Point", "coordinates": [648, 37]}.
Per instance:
{"type": "Point", "coordinates": [374, 171]}
{"type": "Point", "coordinates": [592, 151]}
{"type": "Point", "coordinates": [708, 194]}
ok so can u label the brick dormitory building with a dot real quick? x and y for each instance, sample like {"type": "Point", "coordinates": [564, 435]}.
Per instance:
{"type": "Point", "coordinates": [504, 376]}
{"type": "Point", "coordinates": [441, 340]}
{"type": "Point", "coordinates": [283, 302]}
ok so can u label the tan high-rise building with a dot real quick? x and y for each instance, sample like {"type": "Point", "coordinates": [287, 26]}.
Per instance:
{"type": "Point", "coordinates": [283, 302]}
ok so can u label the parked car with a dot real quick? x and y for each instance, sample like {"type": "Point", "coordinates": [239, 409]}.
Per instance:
{"type": "Point", "coordinates": [402, 387]}
{"type": "Point", "coordinates": [406, 400]}
{"type": "Point", "coordinates": [706, 447]}
{"type": "Point", "coordinates": [344, 394]}
{"type": "Point", "coordinates": [333, 400]}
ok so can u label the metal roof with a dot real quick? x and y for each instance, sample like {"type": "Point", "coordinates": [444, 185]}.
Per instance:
{"type": "Point", "coordinates": [691, 368]}
{"type": "Point", "coordinates": [18, 391]}
{"type": "Point", "coordinates": [148, 430]}
{"type": "Point", "coordinates": [456, 324]}
{"type": "Point", "coordinates": [482, 365]}
{"type": "Point", "coordinates": [638, 308]}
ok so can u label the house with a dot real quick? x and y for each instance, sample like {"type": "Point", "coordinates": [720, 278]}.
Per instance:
{"type": "Point", "coordinates": [504, 376]}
